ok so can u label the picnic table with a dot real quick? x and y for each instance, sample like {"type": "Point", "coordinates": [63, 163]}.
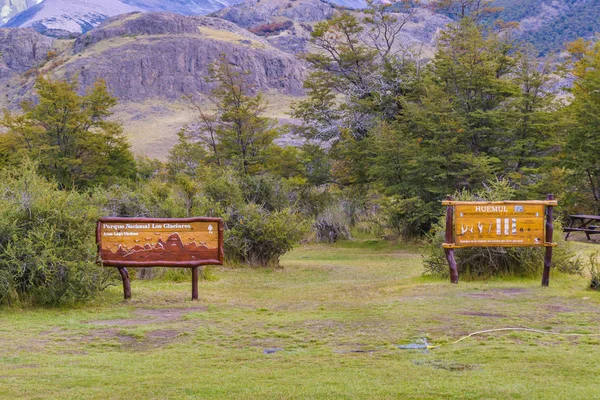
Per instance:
{"type": "Point", "coordinates": [583, 223]}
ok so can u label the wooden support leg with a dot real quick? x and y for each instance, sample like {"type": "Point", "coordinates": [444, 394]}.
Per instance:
{"type": "Point", "coordinates": [452, 264]}
{"type": "Point", "coordinates": [126, 284]}
{"type": "Point", "coordinates": [195, 283]}
{"type": "Point", "coordinates": [450, 239]}
{"type": "Point", "coordinates": [549, 234]}
{"type": "Point", "coordinates": [570, 226]}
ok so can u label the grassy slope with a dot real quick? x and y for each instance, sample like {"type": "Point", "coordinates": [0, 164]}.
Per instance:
{"type": "Point", "coordinates": [324, 304]}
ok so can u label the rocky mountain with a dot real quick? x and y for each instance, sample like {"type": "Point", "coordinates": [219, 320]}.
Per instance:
{"type": "Point", "coordinates": [288, 25]}
{"type": "Point", "coordinates": [146, 55]}
{"type": "Point", "coordinates": [549, 24]}
{"type": "Point", "coordinates": [67, 17]}
{"type": "Point", "coordinates": [150, 61]}
{"type": "Point", "coordinates": [10, 8]}
{"type": "Point", "coordinates": [21, 50]}
{"type": "Point", "coordinates": [63, 18]}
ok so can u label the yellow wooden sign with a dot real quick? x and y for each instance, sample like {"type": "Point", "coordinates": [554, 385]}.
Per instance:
{"type": "Point", "coordinates": [501, 224]}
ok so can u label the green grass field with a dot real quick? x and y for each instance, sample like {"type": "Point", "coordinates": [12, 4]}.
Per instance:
{"type": "Point", "coordinates": [332, 318]}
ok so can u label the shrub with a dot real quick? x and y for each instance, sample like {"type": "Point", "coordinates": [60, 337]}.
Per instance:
{"type": "Point", "coordinates": [332, 225]}
{"type": "Point", "coordinates": [47, 247]}
{"type": "Point", "coordinates": [483, 262]}
{"type": "Point", "coordinates": [272, 28]}
{"type": "Point", "coordinates": [152, 198]}
{"type": "Point", "coordinates": [268, 191]}
{"type": "Point", "coordinates": [404, 217]}
{"type": "Point", "coordinates": [594, 272]}
{"type": "Point", "coordinates": [256, 236]}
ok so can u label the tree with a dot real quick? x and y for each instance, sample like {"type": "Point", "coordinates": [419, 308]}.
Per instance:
{"type": "Point", "coordinates": [533, 141]}
{"type": "Point", "coordinates": [360, 72]}
{"type": "Point", "coordinates": [70, 135]}
{"type": "Point", "coordinates": [486, 111]}
{"type": "Point", "coordinates": [188, 155]}
{"type": "Point", "coordinates": [583, 138]}
{"type": "Point", "coordinates": [450, 138]}
{"type": "Point", "coordinates": [236, 134]}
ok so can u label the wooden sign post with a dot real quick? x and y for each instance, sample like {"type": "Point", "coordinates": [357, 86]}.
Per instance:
{"type": "Point", "coordinates": [160, 242]}
{"type": "Point", "coordinates": [499, 224]}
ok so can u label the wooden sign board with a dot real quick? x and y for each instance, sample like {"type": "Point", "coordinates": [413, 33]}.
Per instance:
{"type": "Point", "coordinates": [499, 224]}
{"type": "Point", "coordinates": [140, 242]}
{"type": "Point", "coordinates": [160, 242]}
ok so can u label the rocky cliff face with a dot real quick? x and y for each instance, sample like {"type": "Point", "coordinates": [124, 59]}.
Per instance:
{"type": "Point", "coordinates": [252, 13]}
{"type": "Point", "coordinates": [21, 50]}
{"type": "Point", "coordinates": [288, 25]}
{"type": "Point", "coordinates": [285, 24]}
{"type": "Point", "coordinates": [141, 56]}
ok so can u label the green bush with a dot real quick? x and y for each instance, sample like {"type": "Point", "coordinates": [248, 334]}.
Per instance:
{"type": "Point", "coordinates": [594, 272]}
{"type": "Point", "coordinates": [47, 246]}
{"type": "Point", "coordinates": [256, 236]}
{"type": "Point", "coordinates": [404, 217]}
{"type": "Point", "coordinates": [332, 225]}
{"type": "Point", "coordinates": [152, 198]}
{"type": "Point", "coordinates": [483, 262]}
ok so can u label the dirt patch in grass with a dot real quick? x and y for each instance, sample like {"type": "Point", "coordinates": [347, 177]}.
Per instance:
{"type": "Point", "coordinates": [151, 316]}
{"type": "Point", "coordinates": [151, 339]}
{"type": "Point", "coordinates": [560, 309]}
{"type": "Point", "coordinates": [510, 291]}
{"type": "Point", "coordinates": [448, 366]}
{"type": "Point", "coordinates": [497, 293]}
{"type": "Point", "coordinates": [482, 314]}
{"type": "Point", "coordinates": [479, 295]}
{"type": "Point", "coordinates": [163, 334]}
{"type": "Point", "coordinates": [168, 314]}
{"type": "Point", "coordinates": [122, 322]}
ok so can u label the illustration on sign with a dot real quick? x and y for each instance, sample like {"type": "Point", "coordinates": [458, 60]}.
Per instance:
{"type": "Point", "coordinates": [499, 225]}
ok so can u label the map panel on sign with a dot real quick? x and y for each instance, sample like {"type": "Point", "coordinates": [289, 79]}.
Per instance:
{"type": "Point", "coordinates": [499, 224]}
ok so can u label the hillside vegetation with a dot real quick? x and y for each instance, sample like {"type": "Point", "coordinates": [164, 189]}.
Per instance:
{"type": "Point", "coordinates": [549, 25]}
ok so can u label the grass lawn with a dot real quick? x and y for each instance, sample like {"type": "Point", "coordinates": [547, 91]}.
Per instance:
{"type": "Point", "coordinates": [326, 325]}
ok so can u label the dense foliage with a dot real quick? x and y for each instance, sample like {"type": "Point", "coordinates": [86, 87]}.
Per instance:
{"type": "Point", "coordinates": [69, 136]}
{"type": "Point", "coordinates": [47, 246]}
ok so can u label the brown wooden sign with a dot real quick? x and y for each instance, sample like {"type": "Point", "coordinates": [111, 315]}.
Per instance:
{"type": "Point", "coordinates": [160, 242]}
{"type": "Point", "coordinates": [499, 224]}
